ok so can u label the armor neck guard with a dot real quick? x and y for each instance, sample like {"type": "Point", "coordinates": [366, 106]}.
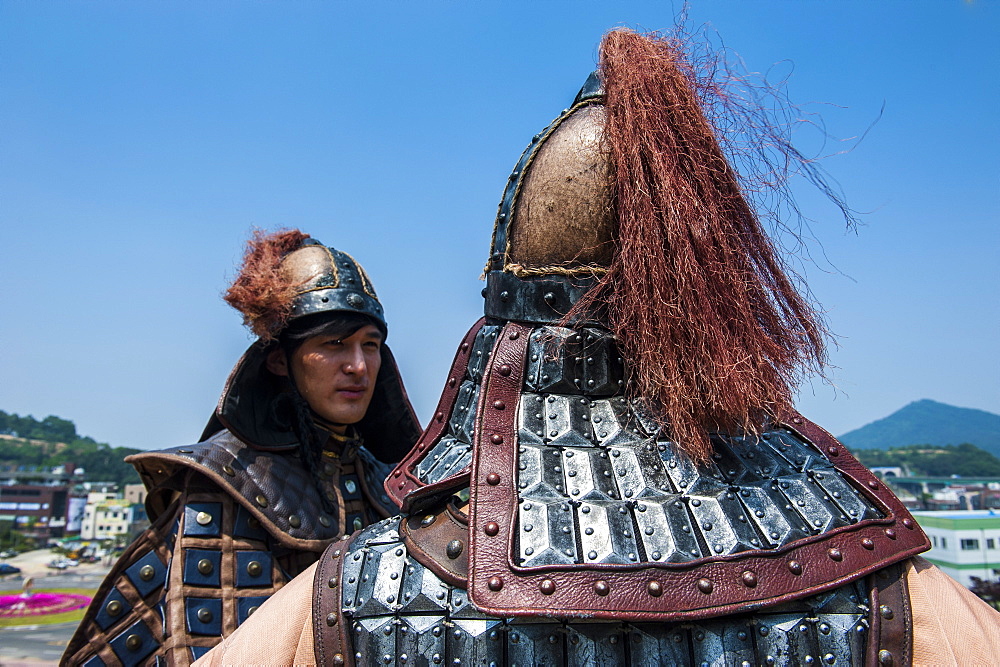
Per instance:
{"type": "Point", "coordinates": [576, 493]}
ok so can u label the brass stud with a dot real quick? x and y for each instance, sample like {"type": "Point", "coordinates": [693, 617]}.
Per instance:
{"type": "Point", "coordinates": [833, 451]}
{"type": "Point", "coordinates": [338, 658]}
{"type": "Point", "coordinates": [439, 416]}
{"type": "Point", "coordinates": [451, 382]}
{"type": "Point", "coordinates": [205, 566]}
{"type": "Point", "coordinates": [749, 579]}
{"type": "Point", "coordinates": [331, 619]}
{"type": "Point", "coordinates": [358, 524]}
{"type": "Point", "coordinates": [205, 615]}
{"type": "Point", "coordinates": [602, 588]}
{"type": "Point", "coordinates": [795, 567]}
{"type": "Point", "coordinates": [492, 528]}
{"type": "Point", "coordinates": [465, 347]}
{"type": "Point", "coordinates": [294, 521]}
{"type": "Point", "coordinates": [254, 568]}
{"type": "Point", "coordinates": [113, 608]}
{"type": "Point", "coordinates": [146, 572]}
{"type": "Point", "coordinates": [203, 518]}
{"type": "Point", "coordinates": [886, 612]}
{"type": "Point", "coordinates": [890, 533]}
{"type": "Point", "coordinates": [499, 405]}
{"type": "Point", "coordinates": [495, 583]}
{"type": "Point", "coordinates": [514, 335]}
{"type": "Point", "coordinates": [706, 586]}
{"type": "Point", "coordinates": [493, 479]}
{"type": "Point", "coordinates": [547, 587]}
{"type": "Point", "coordinates": [867, 543]}
{"type": "Point", "coordinates": [133, 642]}
{"type": "Point", "coordinates": [872, 484]}
{"type": "Point", "coordinates": [324, 520]}
{"type": "Point", "coordinates": [252, 609]}
{"type": "Point", "coordinates": [228, 470]}
{"type": "Point", "coordinates": [454, 549]}
{"type": "Point", "coordinates": [333, 582]}
{"type": "Point", "coordinates": [908, 523]}
{"type": "Point", "coordinates": [654, 588]}
{"type": "Point", "coordinates": [885, 657]}
{"type": "Point", "coordinates": [835, 555]}
{"type": "Point", "coordinates": [504, 370]}
{"type": "Point", "coordinates": [261, 500]}
{"type": "Point", "coordinates": [496, 439]}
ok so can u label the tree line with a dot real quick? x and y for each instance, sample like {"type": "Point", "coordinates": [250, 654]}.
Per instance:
{"type": "Point", "coordinates": [60, 445]}
{"type": "Point", "coordinates": [964, 460]}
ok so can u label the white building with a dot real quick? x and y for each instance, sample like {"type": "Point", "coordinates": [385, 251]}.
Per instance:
{"type": "Point", "coordinates": [964, 543]}
{"type": "Point", "coordinates": [108, 518]}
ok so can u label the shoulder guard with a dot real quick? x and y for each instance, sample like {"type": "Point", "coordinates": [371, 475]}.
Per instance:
{"type": "Point", "coordinates": [273, 487]}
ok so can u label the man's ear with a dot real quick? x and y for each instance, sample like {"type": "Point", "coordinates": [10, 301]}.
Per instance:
{"type": "Point", "coordinates": [277, 362]}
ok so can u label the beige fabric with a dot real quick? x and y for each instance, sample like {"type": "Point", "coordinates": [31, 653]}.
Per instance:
{"type": "Point", "coordinates": [279, 633]}
{"type": "Point", "coordinates": [951, 626]}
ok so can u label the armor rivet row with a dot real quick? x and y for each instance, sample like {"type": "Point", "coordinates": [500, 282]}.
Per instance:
{"type": "Point", "coordinates": [835, 555]}
{"type": "Point", "coordinates": [872, 484]}
{"type": "Point", "coordinates": [706, 586]}
{"type": "Point", "coordinates": [496, 439]}
{"type": "Point", "coordinates": [499, 405]}
{"type": "Point", "coordinates": [324, 520]}
{"type": "Point", "coordinates": [439, 416]}
{"type": "Point", "coordinates": [654, 588]}
{"type": "Point", "coordinates": [113, 608]}
{"type": "Point", "coordinates": [504, 370]}
{"type": "Point", "coordinates": [336, 553]}
{"type": "Point", "coordinates": [890, 533]}
{"type": "Point", "coordinates": [203, 518]}
{"type": "Point", "coordinates": [451, 382]}
{"type": "Point", "coordinates": [332, 583]}
{"type": "Point", "coordinates": [830, 659]}
{"type": "Point", "coordinates": [294, 521]}
{"type": "Point", "coordinates": [867, 543]}
{"type": "Point", "coordinates": [228, 469]}
{"type": "Point", "coordinates": [465, 347]}
{"type": "Point", "coordinates": [547, 587]}
{"type": "Point", "coordinates": [749, 579]}
{"type": "Point", "coordinates": [331, 619]}
{"type": "Point", "coordinates": [146, 572]}
{"type": "Point", "coordinates": [493, 479]}
{"type": "Point", "coordinates": [495, 583]}
{"type": "Point", "coordinates": [886, 612]}
{"type": "Point", "coordinates": [254, 568]}
{"type": "Point", "coordinates": [795, 567]}
{"type": "Point", "coordinates": [205, 615]}
{"type": "Point", "coordinates": [885, 657]}
{"type": "Point", "coordinates": [602, 588]}
{"type": "Point", "coordinates": [908, 523]}
{"type": "Point", "coordinates": [261, 500]}
{"type": "Point", "coordinates": [205, 566]}
{"type": "Point", "coordinates": [133, 642]}
{"type": "Point", "coordinates": [514, 335]}
{"type": "Point", "coordinates": [833, 451]}
{"type": "Point", "coordinates": [492, 528]}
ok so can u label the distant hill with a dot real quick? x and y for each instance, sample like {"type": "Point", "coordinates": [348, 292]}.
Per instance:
{"type": "Point", "coordinates": [927, 422]}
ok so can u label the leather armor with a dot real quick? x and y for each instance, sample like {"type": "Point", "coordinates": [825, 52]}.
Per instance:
{"type": "Point", "coordinates": [231, 525]}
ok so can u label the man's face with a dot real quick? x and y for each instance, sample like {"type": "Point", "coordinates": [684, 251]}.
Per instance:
{"type": "Point", "coordinates": [336, 376]}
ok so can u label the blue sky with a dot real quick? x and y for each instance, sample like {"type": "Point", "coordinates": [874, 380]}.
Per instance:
{"type": "Point", "coordinates": [139, 142]}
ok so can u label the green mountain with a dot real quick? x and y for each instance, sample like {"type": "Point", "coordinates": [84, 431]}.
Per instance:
{"type": "Point", "coordinates": [927, 422]}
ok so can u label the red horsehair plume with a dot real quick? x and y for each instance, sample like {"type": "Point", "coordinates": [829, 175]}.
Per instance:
{"type": "Point", "coordinates": [715, 331]}
{"type": "Point", "coordinates": [260, 291]}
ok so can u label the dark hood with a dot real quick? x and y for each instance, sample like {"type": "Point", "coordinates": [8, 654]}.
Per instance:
{"type": "Point", "coordinates": [255, 410]}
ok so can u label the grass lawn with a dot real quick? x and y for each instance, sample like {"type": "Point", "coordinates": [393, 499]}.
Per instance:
{"type": "Point", "coordinates": [48, 619]}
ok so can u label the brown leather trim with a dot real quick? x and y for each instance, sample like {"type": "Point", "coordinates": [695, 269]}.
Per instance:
{"type": "Point", "coordinates": [331, 645]}
{"type": "Point", "coordinates": [701, 588]}
{"type": "Point", "coordinates": [890, 619]}
{"type": "Point", "coordinates": [403, 483]}
{"type": "Point", "coordinates": [432, 540]}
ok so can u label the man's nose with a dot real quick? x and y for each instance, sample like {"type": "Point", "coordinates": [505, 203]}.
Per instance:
{"type": "Point", "coordinates": [356, 361]}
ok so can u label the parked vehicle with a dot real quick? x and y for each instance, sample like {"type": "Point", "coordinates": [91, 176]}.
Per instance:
{"type": "Point", "coordinates": [7, 568]}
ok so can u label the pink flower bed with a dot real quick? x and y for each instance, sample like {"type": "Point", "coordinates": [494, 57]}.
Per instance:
{"type": "Point", "coordinates": [15, 606]}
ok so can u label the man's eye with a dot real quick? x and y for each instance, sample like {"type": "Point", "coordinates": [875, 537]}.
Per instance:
{"type": "Point", "coordinates": [372, 345]}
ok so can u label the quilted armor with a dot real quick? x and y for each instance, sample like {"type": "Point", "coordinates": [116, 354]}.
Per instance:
{"type": "Point", "coordinates": [231, 525]}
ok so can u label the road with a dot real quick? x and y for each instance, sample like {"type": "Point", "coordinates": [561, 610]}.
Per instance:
{"type": "Point", "coordinates": [42, 645]}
